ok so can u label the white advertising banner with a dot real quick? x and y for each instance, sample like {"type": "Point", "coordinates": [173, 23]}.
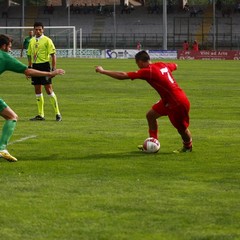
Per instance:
{"type": "Point", "coordinates": [162, 54]}
{"type": "Point", "coordinates": [130, 53]}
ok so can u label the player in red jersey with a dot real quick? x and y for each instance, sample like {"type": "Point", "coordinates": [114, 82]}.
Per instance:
{"type": "Point", "coordinates": [173, 103]}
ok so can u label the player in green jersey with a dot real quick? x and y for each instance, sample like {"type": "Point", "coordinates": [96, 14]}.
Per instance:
{"type": "Point", "coordinates": [26, 42]}
{"type": "Point", "coordinates": [8, 63]}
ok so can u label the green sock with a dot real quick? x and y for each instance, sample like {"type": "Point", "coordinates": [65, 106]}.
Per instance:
{"type": "Point", "coordinates": [53, 99]}
{"type": "Point", "coordinates": [40, 104]}
{"type": "Point", "coordinates": [7, 131]}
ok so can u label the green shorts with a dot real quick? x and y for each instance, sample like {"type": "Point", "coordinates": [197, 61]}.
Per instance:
{"type": "Point", "coordinates": [3, 105]}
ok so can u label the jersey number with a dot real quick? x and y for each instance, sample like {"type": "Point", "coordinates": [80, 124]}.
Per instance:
{"type": "Point", "coordinates": [166, 72]}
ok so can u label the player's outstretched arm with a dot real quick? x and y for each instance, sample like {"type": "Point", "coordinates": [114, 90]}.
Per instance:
{"type": "Point", "coordinates": [29, 72]}
{"type": "Point", "coordinates": [113, 74]}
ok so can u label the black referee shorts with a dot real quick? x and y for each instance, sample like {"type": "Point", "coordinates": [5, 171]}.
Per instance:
{"type": "Point", "coordinates": [41, 80]}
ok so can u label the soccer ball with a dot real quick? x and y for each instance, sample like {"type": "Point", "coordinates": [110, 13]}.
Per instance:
{"type": "Point", "coordinates": [151, 145]}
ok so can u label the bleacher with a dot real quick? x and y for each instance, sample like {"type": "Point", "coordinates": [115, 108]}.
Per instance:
{"type": "Point", "coordinates": [101, 27]}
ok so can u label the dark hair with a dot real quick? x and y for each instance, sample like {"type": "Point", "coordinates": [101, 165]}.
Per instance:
{"type": "Point", "coordinates": [38, 24]}
{"type": "Point", "coordinates": [142, 56]}
{"type": "Point", "coordinates": [4, 39]}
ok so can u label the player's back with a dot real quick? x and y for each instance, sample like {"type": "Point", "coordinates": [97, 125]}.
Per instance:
{"type": "Point", "coordinates": [3, 59]}
{"type": "Point", "coordinates": [9, 63]}
{"type": "Point", "coordinates": [161, 79]}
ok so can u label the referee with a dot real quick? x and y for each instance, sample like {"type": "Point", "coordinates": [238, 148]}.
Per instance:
{"type": "Point", "coordinates": [41, 51]}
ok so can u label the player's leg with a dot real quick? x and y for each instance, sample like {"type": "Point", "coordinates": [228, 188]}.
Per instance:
{"type": "Point", "coordinates": [39, 100]}
{"type": "Point", "coordinates": [184, 131]}
{"type": "Point", "coordinates": [8, 128]}
{"type": "Point", "coordinates": [179, 117]}
{"type": "Point", "coordinates": [152, 115]}
{"type": "Point", "coordinates": [187, 139]}
{"type": "Point", "coordinates": [37, 82]}
{"type": "Point", "coordinates": [53, 100]}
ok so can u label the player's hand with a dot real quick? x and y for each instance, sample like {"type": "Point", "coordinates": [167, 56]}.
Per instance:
{"type": "Point", "coordinates": [57, 72]}
{"type": "Point", "coordinates": [99, 69]}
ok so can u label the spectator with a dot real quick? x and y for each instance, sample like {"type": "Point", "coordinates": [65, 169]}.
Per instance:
{"type": "Point", "coordinates": [185, 45]}
{"type": "Point", "coordinates": [186, 8]}
{"type": "Point", "coordinates": [195, 46]}
{"type": "Point", "coordinates": [139, 46]}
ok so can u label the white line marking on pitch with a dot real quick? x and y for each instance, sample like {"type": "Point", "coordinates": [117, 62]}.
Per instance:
{"type": "Point", "coordinates": [23, 139]}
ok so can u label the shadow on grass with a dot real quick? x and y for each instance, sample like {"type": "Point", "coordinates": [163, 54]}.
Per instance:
{"type": "Point", "coordinates": [133, 155]}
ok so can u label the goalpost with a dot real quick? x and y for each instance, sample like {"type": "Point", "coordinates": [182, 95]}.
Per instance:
{"type": "Point", "coordinates": [64, 37]}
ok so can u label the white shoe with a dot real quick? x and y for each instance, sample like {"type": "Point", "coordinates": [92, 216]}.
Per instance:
{"type": "Point", "coordinates": [5, 154]}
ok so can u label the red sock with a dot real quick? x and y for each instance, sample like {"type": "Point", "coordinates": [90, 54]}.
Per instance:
{"type": "Point", "coordinates": [153, 133]}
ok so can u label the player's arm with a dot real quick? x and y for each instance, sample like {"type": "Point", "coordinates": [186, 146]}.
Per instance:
{"type": "Point", "coordinates": [52, 52]}
{"type": "Point", "coordinates": [29, 61]}
{"type": "Point", "coordinates": [30, 72]}
{"type": "Point", "coordinates": [113, 74]}
{"type": "Point", "coordinates": [54, 61]}
{"type": "Point", "coordinates": [172, 66]}
{"type": "Point", "coordinates": [15, 65]}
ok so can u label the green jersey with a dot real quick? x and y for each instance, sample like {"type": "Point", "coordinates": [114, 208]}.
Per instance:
{"type": "Point", "coordinates": [9, 63]}
{"type": "Point", "coordinates": [26, 42]}
{"type": "Point", "coordinates": [40, 49]}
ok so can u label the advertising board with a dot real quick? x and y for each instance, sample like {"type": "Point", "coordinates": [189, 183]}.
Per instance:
{"type": "Point", "coordinates": [209, 55]}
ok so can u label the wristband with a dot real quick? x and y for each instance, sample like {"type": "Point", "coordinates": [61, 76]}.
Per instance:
{"type": "Point", "coordinates": [29, 67]}
{"type": "Point", "coordinates": [53, 69]}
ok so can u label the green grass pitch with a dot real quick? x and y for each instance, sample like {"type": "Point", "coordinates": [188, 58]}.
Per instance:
{"type": "Point", "coordinates": [84, 179]}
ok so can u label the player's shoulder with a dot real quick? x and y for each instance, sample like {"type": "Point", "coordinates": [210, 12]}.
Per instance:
{"type": "Point", "coordinates": [31, 39]}
{"type": "Point", "coordinates": [158, 63]}
{"type": "Point", "coordinates": [47, 39]}
{"type": "Point", "coordinates": [5, 55]}
{"type": "Point", "coordinates": [170, 65]}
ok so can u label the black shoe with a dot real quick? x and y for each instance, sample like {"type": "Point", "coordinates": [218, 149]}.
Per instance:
{"type": "Point", "coordinates": [58, 118]}
{"type": "Point", "coordinates": [183, 150]}
{"type": "Point", "coordinates": [37, 118]}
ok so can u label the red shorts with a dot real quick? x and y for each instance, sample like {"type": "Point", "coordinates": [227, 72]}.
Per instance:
{"type": "Point", "coordinates": [178, 115]}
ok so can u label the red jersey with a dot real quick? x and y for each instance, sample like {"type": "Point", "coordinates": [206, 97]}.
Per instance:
{"type": "Point", "coordinates": [195, 46]}
{"type": "Point", "coordinates": [185, 46]}
{"type": "Point", "coordinates": [159, 76]}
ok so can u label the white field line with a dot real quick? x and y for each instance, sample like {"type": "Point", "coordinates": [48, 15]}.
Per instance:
{"type": "Point", "coordinates": [22, 139]}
